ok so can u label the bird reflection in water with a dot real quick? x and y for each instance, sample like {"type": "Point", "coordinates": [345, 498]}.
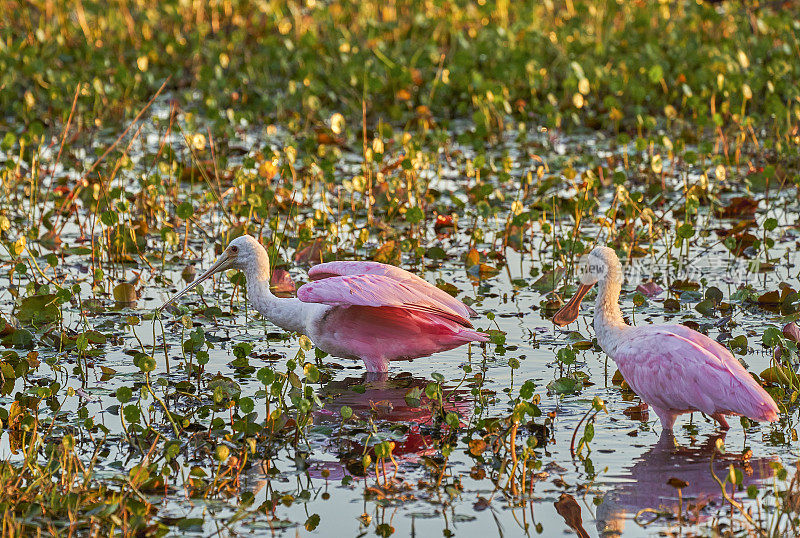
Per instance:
{"type": "Point", "coordinates": [676, 480]}
{"type": "Point", "coordinates": [400, 400]}
{"type": "Point", "coordinates": [384, 399]}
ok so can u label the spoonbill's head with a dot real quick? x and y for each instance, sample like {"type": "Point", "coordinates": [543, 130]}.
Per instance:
{"type": "Point", "coordinates": [244, 253]}
{"type": "Point", "coordinates": [600, 265]}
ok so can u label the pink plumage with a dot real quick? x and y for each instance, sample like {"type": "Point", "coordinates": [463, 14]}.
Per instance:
{"type": "Point", "coordinates": [409, 280]}
{"type": "Point", "coordinates": [377, 291]}
{"type": "Point", "coordinates": [672, 368]}
{"type": "Point", "coordinates": [383, 313]}
{"type": "Point", "coordinates": [357, 310]}
{"type": "Point", "coordinates": [677, 370]}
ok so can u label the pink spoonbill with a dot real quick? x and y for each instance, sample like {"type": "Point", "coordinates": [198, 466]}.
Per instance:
{"type": "Point", "coordinates": [672, 368]}
{"type": "Point", "coordinates": [354, 310]}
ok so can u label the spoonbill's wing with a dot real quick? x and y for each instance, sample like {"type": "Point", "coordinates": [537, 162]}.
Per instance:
{"type": "Point", "coordinates": [350, 268]}
{"type": "Point", "coordinates": [676, 368]}
{"type": "Point", "coordinates": [377, 290]}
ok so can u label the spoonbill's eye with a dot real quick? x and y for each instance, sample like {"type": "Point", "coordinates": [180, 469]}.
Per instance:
{"type": "Point", "coordinates": [234, 249]}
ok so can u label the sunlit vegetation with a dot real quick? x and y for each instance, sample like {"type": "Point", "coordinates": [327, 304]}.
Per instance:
{"type": "Point", "coordinates": [483, 145]}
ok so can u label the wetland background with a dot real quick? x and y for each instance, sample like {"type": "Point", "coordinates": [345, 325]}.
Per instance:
{"type": "Point", "coordinates": [484, 146]}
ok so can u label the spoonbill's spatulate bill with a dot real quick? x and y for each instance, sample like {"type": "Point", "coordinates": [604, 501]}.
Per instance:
{"type": "Point", "coordinates": [355, 310]}
{"type": "Point", "coordinates": [672, 368]}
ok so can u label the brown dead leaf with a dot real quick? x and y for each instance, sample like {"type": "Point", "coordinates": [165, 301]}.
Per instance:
{"type": "Point", "coordinates": [328, 139]}
{"type": "Point", "coordinates": [391, 166]}
{"type": "Point", "coordinates": [684, 285]}
{"type": "Point", "coordinates": [677, 483]}
{"type": "Point", "coordinates": [281, 283]}
{"type": "Point", "coordinates": [473, 258]}
{"type": "Point", "coordinates": [738, 207]}
{"type": "Point", "coordinates": [485, 270]}
{"type": "Point", "coordinates": [617, 379]}
{"type": "Point", "coordinates": [6, 328]}
{"type": "Point", "coordinates": [442, 222]}
{"type": "Point", "coordinates": [568, 508]}
{"type": "Point", "coordinates": [637, 412]}
{"type": "Point", "coordinates": [416, 76]}
{"type": "Point", "coordinates": [649, 289]}
{"type": "Point", "coordinates": [792, 332]}
{"type": "Point", "coordinates": [312, 252]}
{"type": "Point", "coordinates": [481, 504]}
{"type": "Point", "coordinates": [477, 446]}
{"type": "Point", "coordinates": [770, 298]}
{"type": "Point", "coordinates": [738, 228]}
{"type": "Point", "coordinates": [387, 253]}
{"type": "Point", "coordinates": [188, 273]}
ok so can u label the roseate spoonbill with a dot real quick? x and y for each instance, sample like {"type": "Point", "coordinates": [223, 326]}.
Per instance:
{"type": "Point", "coordinates": [672, 368]}
{"type": "Point", "coordinates": [354, 310]}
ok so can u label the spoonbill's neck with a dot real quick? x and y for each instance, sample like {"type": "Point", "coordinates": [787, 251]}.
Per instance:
{"type": "Point", "coordinates": [608, 322]}
{"type": "Point", "coordinates": [287, 313]}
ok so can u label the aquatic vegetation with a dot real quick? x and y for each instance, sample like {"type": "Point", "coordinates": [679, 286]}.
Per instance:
{"type": "Point", "coordinates": [483, 146]}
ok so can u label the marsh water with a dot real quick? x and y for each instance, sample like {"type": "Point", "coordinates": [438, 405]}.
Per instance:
{"type": "Point", "coordinates": [317, 484]}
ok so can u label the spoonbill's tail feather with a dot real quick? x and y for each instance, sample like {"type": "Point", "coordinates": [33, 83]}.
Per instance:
{"type": "Point", "coordinates": [765, 410]}
{"type": "Point", "coordinates": [468, 335]}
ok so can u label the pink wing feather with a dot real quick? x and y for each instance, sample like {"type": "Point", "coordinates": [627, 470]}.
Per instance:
{"type": "Point", "coordinates": [377, 291]}
{"type": "Point", "coordinates": [410, 280]}
{"type": "Point", "coordinates": [676, 368]}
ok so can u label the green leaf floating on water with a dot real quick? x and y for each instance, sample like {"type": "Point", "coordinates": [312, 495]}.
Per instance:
{"type": "Point", "coordinates": [22, 339]}
{"type": "Point", "coordinates": [564, 385]}
{"type": "Point", "coordinates": [436, 253]}
{"type": "Point", "coordinates": [125, 293]}
{"type": "Point", "coordinates": [414, 215]}
{"type": "Point", "coordinates": [414, 397]}
{"type": "Point", "coordinates": [193, 524]}
{"type": "Point", "coordinates": [705, 307]}
{"type": "Point", "coordinates": [228, 387]}
{"type": "Point", "coordinates": [548, 281]}
{"type": "Point", "coordinates": [39, 310]}
{"type": "Point", "coordinates": [738, 344]}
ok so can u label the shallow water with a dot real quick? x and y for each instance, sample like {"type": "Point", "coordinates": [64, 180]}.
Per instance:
{"type": "Point", "coordinates": [629, 462]}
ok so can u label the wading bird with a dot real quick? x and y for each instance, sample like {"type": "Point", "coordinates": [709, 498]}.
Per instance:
{"type": "Point", "coordinates": [355, 310]}
{"type": "Point", "coordinates": [672, 368]}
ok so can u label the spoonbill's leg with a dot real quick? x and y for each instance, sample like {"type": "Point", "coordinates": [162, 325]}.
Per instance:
{"type": "Point", "coordinates": [376, 377]}
{"type": "Point", "coordinates": [719, 417]}
{"type": "Point", "coordinates": [376, 364]}
{"type": "Point", "coordinates": [667, 418]}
